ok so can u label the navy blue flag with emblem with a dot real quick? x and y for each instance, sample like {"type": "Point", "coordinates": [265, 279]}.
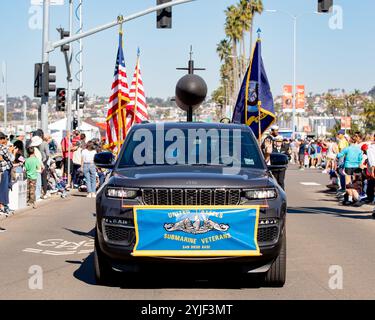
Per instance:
{"type": "Point", "coordinates": [255, 101]}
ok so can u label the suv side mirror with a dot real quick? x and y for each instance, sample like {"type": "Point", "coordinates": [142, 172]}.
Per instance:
{"type": "Point", "coordinates": [104, 160]}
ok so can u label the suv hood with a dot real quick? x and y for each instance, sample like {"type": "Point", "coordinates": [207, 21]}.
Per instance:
{"type": "Point", "coordinates": [189, 177]}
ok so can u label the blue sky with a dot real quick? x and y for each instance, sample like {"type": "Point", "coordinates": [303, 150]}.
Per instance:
{"type": "Point", "coordinates": [326, 58]}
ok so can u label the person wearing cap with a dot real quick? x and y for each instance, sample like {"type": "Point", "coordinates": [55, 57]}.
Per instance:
{"type": "Point", "coordinates": [270, 138]}
{"type": "Point", "coordinates": [7, 156]}
{"type": "Point", "coordinates": [36, 142]}
{"type": "Point", "coordinates": [281, 147]}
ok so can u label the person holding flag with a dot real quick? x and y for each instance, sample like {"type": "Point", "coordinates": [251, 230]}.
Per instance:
{"type": "Point", "coordinates": [255, 106]}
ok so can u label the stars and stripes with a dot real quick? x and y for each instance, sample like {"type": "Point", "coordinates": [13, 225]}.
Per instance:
{"type": "Point", "coordinates": [137, 107]}
{"type": "Point", "coordinates": [116, 117]}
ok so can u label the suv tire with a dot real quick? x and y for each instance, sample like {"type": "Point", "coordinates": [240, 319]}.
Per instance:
{"type": "Point", "coordinates": [276, 275]}
{"type": "Point", "coordinates": [103, 270]}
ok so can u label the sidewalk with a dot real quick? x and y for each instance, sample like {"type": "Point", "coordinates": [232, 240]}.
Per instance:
{"type": "Point", "coordinates": [40, 204]}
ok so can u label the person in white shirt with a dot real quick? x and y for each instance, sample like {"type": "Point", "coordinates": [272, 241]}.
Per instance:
{"type": "Point", "coordinates": [89, 169]}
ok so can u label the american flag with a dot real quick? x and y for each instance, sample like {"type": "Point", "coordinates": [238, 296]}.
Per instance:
{"type": "Point", "coordinates": [116, 117]}
{"type": "Point", "coordinates": [137, 107]}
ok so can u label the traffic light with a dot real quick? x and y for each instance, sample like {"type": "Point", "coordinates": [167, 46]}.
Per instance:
{"type": "Point", "coordinates": [324, 6]}
{"type": "Point", "coordinates": [38, 71]}
{"type": "Point", "coordinates": [80, 98]}
{"type": "Point", "coordinates": [60, 99]}
{"type": "Point", "coordinates": [164, 17]}
{"type": "Point", "coordinates": [64, 34]}
{"type": "Point", "coordinates": [75, 124]}
{"type": "Point", "coordinates": [48, 78]}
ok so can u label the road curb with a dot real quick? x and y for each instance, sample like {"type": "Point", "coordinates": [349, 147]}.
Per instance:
{"type": "Point", "coordinates": [40, 204]}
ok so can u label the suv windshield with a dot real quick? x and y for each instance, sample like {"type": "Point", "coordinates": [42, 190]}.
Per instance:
{"type": "Point", "coordinates": [191, 147]}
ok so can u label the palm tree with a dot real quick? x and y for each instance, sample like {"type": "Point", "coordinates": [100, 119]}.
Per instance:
{"type": "Point", "coordinates": [224, 49]}
{"type": "Point", "coordinates": [233, 30]}
{"type": "Point", "coordinates": [368, 115]}
{"type": "Point", "coordinates": [245, 17]}
{"type": "Point", "coordinates": [256, 6]}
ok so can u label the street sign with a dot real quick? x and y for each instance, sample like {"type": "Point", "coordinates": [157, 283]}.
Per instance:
{"type": "Point", "coordinates": [51, 2]}
{"type": "Point", "coordinates": [346, 123]}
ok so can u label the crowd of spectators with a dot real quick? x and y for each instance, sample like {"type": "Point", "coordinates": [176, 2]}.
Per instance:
{"type": "Point", "coordinates": [47, 166]}
{"type": "Point", "coordinates": [348, 160]}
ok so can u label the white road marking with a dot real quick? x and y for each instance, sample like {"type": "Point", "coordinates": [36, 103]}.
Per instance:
{"type": "Point", "coordinates": [59, 245]}
{"type": "Point", "coordinates": [85, 251]}
{"type": "Point", "coordinates": [32, 250]}
{"type": "Point", "coordinates": [56, 253]}
{"type": "Point", "coordinates": [310, 184]}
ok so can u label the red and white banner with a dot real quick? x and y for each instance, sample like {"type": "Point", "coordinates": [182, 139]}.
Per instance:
{"type": "Point", "coordinates": [300, 100]}
{"type": "Point", "coordinates": [288, 98]}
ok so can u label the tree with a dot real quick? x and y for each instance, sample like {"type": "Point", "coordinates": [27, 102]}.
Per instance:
{"type": "Point", "coordinates": [256, 6]}
{"type": "Point", "coordinates": [368, 115]}
{"type": "Point", "coordinates": [372, 92]}
{"type": "Point", "coordinates": [245, 16]}
{"type": "Point", "coordinates": [233, 30]}
{"type": "Point", "coordinates": [224, 49]}
{"type": "Point", "coordinates": [238, 22]}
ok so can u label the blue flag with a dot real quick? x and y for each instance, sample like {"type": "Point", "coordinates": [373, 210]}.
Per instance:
{"type": "Point", "coordinates": [255, 97]}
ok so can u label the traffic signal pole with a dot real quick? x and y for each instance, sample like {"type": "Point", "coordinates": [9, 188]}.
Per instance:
{"type": "Point", "coordinates": [43, 115]}
{"type": "Point", "coordinates": [120, 20]}
{"type": "Point", "coordinates": [51, 46]}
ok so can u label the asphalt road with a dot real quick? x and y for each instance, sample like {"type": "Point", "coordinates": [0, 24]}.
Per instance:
{"type": "Point", "coordinates": [57, 239]}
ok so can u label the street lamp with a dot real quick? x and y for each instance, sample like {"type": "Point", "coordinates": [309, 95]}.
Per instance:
{"type": "Point", "coordinates": [295, 18]}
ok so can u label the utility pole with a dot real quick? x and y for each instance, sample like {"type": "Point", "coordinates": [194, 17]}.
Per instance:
{"type": "Point", "coordinates": [294, 130]}
{"type": "Point", "coordinates": [5, 80]}
{"type": "Point", "coordinates": [79, 56]}
{"type": "Point", "coordinates": [69, 89]}
{"type": "Point", "coordinates": [24, 119]}
{"type": "Point", "coordinates": [45, 58]}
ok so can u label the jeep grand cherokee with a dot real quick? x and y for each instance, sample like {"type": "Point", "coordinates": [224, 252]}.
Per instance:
{"type": "Point", "coordinates": [158, 182]}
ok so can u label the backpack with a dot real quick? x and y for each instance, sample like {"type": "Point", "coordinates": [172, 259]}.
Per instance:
{"type": "Point", "coordinates": [312, 150]}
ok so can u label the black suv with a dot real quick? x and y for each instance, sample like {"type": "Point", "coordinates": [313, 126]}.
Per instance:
{"type": "Point", "coordinates": [160, 182]}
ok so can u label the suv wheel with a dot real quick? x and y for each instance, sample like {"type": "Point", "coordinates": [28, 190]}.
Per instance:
{"type": "Point", "coordinates": [103, 270]}
{"type": "Point", "coordinates": [276, 275]}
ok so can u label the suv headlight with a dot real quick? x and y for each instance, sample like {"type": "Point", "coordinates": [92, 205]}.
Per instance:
{"type": "Point", "coordinates": [261, 194]}
{"type": "Point", "coordinates": [121, 193]}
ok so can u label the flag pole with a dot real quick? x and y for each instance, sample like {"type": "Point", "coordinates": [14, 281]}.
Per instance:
{"type": "Point", "coordinates": [137, 84]}
{"type": "Point", "coordinates": [259, 83]}
{"type": "Point", "coordinates": [119, 111]}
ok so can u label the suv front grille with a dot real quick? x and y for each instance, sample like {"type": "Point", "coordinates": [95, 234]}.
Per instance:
{"type": "Point", "coordinates": [191, 197]}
